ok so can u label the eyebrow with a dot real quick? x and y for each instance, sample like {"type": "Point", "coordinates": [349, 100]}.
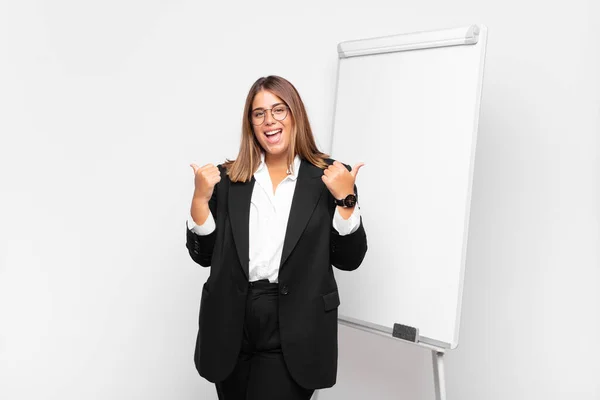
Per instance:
{"type": "Point", "coordinates": [261, 108]}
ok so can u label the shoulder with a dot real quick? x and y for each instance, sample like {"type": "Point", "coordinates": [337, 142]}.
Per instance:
{"type": "Point", "coordinates": [330, 161]}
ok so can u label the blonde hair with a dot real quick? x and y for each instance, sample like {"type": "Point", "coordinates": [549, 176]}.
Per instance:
{"type": "Point", "coordinates": [302, 140]}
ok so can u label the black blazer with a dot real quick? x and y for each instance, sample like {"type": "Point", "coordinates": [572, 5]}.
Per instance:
{"type": "Point", "coordinates": [308, 295]}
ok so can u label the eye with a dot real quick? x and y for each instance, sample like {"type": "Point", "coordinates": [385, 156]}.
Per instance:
{"type": "Point", "coordinates": [258, 114]}
{"type": "Point", "coordinates": [279, 110]}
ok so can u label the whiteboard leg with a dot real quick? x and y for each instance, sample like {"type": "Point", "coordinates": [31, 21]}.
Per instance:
{"type": "Point", "coordinates": [315, 395]}
{"type": "Point", "coordinates": [439, 377]}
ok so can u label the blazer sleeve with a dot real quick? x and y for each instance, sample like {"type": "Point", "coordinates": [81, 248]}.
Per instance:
{"type": "Point", "coordinates": [347, 252]}
{"type": "Point", "coordinates": [200, 247]}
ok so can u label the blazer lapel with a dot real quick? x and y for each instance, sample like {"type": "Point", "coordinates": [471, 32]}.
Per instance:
{"type": "Point", "coordinates": [309, 189]}
{"type": "Point", "coordinates": [240, 194]}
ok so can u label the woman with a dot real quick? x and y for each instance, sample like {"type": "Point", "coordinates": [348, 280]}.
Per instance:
{"type": "Point", "coordinates": [271, 224]}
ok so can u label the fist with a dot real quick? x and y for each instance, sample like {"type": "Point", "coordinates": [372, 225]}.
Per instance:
{"type": "Point", "coordinates": [205, 179]}
{"type": "Point", "coordinates": [339, 180]}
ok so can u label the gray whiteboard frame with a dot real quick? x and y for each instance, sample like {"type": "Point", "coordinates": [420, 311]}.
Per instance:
{"type": "Point", "coordinates": [467, 35]}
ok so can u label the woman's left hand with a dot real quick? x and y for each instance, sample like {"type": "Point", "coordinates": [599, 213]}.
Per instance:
{"type": "Point", "coordinates": [339, 180]}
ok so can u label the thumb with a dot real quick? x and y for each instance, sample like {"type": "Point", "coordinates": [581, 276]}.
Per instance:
{"type": "Point", "coordinates": [194, 167]}
{"type": "Point", "coordinates": [354, 171]}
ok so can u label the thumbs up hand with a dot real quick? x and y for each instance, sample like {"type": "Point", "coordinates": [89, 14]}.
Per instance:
{"type": "Point", "coordinates": [205, 179]}
{"type": "Point", "coordinates": [339, 180]}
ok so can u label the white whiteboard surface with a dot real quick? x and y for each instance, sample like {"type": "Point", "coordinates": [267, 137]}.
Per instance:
{"type": "Point", "coordinates": [411, 115]}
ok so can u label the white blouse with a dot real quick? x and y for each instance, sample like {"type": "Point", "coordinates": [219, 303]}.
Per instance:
{"type": "Point", "coordinates": [269, 214]}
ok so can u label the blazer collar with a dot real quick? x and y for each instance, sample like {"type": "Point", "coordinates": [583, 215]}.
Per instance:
{"type": "Point", "coordinates": [309, 189]}
{"type": "Point", "coordinates": [240, 194]}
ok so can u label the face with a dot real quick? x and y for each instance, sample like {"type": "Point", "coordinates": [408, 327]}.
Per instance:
{"type": "Point", "coordinates": [274, 136]}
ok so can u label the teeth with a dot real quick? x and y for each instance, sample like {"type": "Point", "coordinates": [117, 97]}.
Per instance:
{"type": "Point", "coordinates": [271, 133]}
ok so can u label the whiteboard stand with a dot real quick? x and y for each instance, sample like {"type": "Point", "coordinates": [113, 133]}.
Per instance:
{"type": "Point", "coordinates": [439, 376]}
{"type": "Point", "coordinates": [430, 83]}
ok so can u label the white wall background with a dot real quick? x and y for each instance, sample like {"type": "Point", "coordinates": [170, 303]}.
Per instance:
{"type": "Point", "coordinates": [103, 104]}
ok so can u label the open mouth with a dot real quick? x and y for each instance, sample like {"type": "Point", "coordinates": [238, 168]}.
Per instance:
{"type": "Point", "coordinates": [273, 136]}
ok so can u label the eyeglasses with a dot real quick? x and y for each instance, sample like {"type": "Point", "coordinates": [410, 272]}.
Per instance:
{"type": "Point", "coordinates": [279, 112]}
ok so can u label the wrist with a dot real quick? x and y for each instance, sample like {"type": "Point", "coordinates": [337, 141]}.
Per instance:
{"type": "Point", "coordinates": [345, 212]}
{"type": "Point", "coordinates": [341, 194]}
{"type": "Point", "coordinates": [199, 204]}
{"type": "Point", "coordinates": [200, 198]}
{"type": "Point", "coordinates": [199, 212]}
{"type": "Point", "coordinates": [347, 201]}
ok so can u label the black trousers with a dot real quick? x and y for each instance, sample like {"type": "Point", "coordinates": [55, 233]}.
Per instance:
{"type": "Point", "coordinates": [260, 372]}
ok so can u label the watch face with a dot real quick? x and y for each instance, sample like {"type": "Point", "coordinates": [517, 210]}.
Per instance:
{"type": "Point", "coordinates": [350, 200]}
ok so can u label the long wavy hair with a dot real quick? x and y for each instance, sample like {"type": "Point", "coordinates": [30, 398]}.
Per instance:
{"type": "Point", "coordinates": [302, 140]}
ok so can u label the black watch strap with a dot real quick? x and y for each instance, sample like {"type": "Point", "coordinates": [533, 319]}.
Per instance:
{"type": "Point", "coordinates": [348, 201]}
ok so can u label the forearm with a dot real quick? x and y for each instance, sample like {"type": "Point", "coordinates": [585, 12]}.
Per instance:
{"type": "Point", "coordinates": [200, 240]}
{"type": "Point", "coordinates": [199, 210]}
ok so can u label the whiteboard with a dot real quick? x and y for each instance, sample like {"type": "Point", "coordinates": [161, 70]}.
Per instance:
{"type": "Point", "coordinates": [408, 106]}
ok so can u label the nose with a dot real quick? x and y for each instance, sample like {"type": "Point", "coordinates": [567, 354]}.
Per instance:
{"type": "Point", "coordinates": [269, 120]}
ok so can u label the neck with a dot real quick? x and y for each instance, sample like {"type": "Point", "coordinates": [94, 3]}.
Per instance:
{"type": "Point", "coordinates": [276, 162]}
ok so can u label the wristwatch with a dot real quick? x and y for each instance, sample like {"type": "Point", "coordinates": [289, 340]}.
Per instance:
{"type": "Point", "coordinates": [348, 201]}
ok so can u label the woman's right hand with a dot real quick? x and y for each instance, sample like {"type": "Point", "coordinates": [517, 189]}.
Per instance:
{"type": "Point", "coordinates": [206, 178]}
